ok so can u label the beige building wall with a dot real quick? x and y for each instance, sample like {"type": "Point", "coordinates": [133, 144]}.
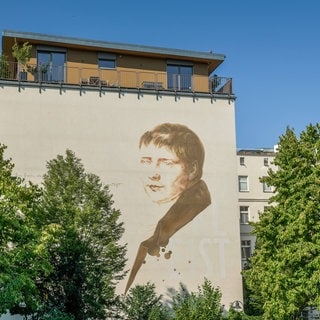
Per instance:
{"type": "Point", "coordinates": [104, 132]}
{"type": "Point", "coordinates": [256, 165]}
{"type": "Point", "coordinates": [252, 165]}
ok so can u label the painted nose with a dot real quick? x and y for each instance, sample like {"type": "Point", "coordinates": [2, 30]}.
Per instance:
{"type": "Point", "coordinates": [155, 177]}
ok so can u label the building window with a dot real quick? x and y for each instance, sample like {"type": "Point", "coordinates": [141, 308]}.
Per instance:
{"type": "Point", "coordinates": [50, 65]}
{"type": "Point", "coordinates": [241, 161]}
{"type": "Point", "coordinates": [266, 187]}
{"type": "Point", "coordinates": [245, 251]}
{"type": "Point", "coordinates": [179, 77]}
{"type": "Point", "coordinates": [106, 60]}
{"type": "Point", "coordinates": [243, 183]}
{"type": "Point", "coordinates": [244, 214]}
{"type": "Point", "coordinates": [266, 162]}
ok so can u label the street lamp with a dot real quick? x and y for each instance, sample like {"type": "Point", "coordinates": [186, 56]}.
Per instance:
{"type": "Point", "coordinates": [23, 305]}
{"type": "Point", "coordinates": [237, 305]}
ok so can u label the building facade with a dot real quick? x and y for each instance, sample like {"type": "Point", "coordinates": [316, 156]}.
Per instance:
{"type": "Point", "coordinates": [253, 194]}
{"type": "Point", "coordinates": [62, 60]}
{"type": "Point", "coordinates": [102, 100]}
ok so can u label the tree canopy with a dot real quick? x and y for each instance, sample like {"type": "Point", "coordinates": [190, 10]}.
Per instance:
{"type": "Point", "coordinates": [142, 303]}
{"type": "Point", "coordinates": [21, 53]}
{"type": "Point", "coordinates": [23, 254]}
{"type": "Point", "coordinates": [203, 305]}
{"type": "Point", "coordinates": [86, 256]}
{"type": "Point", "coordinates": [285, 267]}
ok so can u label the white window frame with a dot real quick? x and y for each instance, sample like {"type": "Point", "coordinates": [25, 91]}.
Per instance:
{"type": "Point", "coordinates": [244, 214]}
{"type": "Point", "coordinates": [243, 183]}
{"type": "Point", "coordinates": [266, 188]}
{"type": "Point", "coordinates": [246, 251]}
{"type": "Point", "coordinates": [242, 163]}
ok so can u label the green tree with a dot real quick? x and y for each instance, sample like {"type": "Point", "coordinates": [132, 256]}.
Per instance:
{"type": "Point", "coordinates": [4, 67]}
{"type": "Point", "coordinates": [21, 53]}
{"type": "Point", "coordinates": [86, 256]}
{"type": "Point", "coordinates": [285, 268]}
{"type": "Point", "coordinates": [252, 302]}
{"type": "Point", "coordinates": [240, 315]}
{"type": "Point", "coordinates": [142, 303]}
{"type": "Point", "coordinates": [22, 256]}
{"type": "Point", "coordinates": [56, 314]}
{"type": "Point", "coordinates": [202, 305]}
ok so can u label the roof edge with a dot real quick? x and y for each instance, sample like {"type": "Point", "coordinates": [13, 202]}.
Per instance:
{"type": "Point", "coordinates": [114, 45]}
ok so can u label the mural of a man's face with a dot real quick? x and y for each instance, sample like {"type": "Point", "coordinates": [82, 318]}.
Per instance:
{"type": "Point", "coordinates": [164, 176]}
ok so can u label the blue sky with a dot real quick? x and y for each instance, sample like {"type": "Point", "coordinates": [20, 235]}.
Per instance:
{"type": "Point", "coordinates": [272, 47]}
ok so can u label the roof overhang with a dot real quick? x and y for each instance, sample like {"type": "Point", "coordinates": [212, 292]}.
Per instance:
{"type": "Point", "coordinates": [212, 59]}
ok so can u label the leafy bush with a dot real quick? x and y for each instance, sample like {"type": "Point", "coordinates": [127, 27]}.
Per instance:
{"type": "Point", "coordinates": [204, 305]}
{"type": "Point", "coordinates": [4, 67]}
{"type": "Point", "coordinates": [143, 303]}
{"type": "Point", "coordinates": [56, 314]}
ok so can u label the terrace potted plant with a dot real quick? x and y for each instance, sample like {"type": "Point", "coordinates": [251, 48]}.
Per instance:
{"type": "Point", "coordinates": [4, 67]}
{"type": "Point", "coordinates": [22, 54]}
{"type": "Point", "coordinates": [39, 71]}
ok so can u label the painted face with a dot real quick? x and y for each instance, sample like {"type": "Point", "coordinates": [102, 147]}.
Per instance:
{"type": "Point", "coordinates": [164, 176]}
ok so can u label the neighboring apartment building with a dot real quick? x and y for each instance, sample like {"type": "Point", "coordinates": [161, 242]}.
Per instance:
{"type": "Point", "coordinates": [253, 194]}
{"type": "Point", "coordinates": [97, 98]}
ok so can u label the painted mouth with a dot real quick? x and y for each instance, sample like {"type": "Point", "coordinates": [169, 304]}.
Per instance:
{"type": "Point", "coordinates": [154, 188]}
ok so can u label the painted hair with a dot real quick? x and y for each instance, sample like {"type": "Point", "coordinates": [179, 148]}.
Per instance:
{"type": "Point", "coordinates": [179, 139]}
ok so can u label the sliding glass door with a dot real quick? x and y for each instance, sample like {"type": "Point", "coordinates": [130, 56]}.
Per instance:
{"type": "Point", "coordinates": [179, 77]}
{"type": "Point", "coordinates": [50, 66]}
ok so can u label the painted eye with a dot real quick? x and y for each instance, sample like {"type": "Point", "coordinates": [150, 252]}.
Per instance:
{"type": "Point", "coordinates": [169, 162]}
{"type": "Point", "coordinates": [145, 161]}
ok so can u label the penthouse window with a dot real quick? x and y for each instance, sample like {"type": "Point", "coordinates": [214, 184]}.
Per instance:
{"type": "Point", "coordinates": [179, 76]}
{"type": "Point", "coordinates": [106, 60]}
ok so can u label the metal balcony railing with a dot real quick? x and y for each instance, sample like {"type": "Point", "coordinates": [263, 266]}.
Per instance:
{"type": "Point", "coordinates": [120, 78]}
